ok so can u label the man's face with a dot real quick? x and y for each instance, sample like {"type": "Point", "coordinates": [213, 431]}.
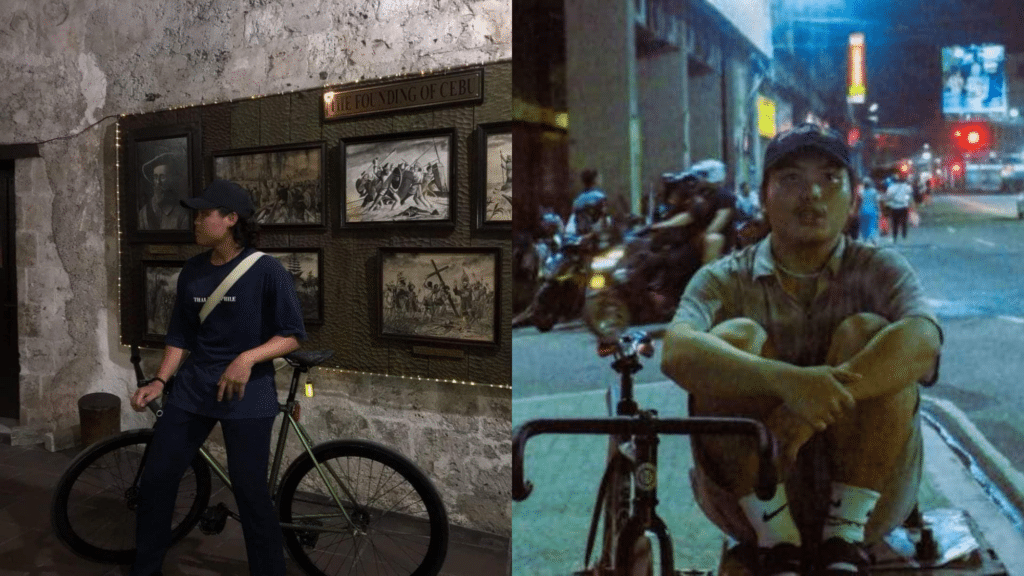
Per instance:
{"type": "Point", "coordinates": [212, 228]}
{"type": "Point", "coordinates": [808, 198]}
{"type": "Point", "coordinates": [161, 181]}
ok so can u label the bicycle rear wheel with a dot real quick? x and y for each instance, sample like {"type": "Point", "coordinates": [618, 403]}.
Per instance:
{"type": "Point", "coordinates": [399, 524]}
{"type": "Point", "coordinates": [93, 507]}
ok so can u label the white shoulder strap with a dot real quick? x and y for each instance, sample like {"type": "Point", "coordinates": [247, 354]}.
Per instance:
{"type": "Point", "coordinates": [227, 283]}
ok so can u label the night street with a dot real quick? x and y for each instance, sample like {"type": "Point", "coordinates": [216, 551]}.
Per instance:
{"type": "Point", "coordinates": [968, 252]}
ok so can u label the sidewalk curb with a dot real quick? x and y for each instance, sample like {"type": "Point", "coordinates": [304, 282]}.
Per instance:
{"type": "Point", "coordinates": [998, 477]}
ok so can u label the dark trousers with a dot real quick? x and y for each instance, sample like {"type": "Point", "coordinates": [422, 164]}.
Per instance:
{"type": "Point", "coordinates": [179, 434]}
{"type": "Point", "coordinates": [899, 220]}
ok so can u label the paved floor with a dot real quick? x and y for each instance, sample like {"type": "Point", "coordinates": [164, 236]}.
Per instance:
{"type": "Point", "coordinates": [29, 547]}
{"type": "Point", "coordinates": [550, 527]}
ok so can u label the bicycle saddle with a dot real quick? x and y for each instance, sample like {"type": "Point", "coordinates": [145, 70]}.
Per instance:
{"type": "Point", "coordinates": [308, 358]}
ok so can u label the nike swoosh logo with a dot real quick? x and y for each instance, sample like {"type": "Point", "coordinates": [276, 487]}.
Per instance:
{"type": "Point", "coordinates": [767, 517]}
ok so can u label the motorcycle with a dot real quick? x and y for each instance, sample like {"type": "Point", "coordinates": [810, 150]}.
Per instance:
{"type": "Point", "coordinates": [563, 275]}
{"type": "Point", "coordinates": [641, 280]}
{"type": "Point", "coordinates": [637, 281]}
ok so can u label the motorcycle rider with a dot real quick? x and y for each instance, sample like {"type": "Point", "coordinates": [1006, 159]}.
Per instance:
{"type": "Point", "coordinates": [710, 205]}
{"type": "Point", "coordinates": [590, 208]}
{"type": "Point", "coordinates": [586, 230]}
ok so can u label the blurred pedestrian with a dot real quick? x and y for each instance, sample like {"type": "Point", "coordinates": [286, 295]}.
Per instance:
{"type": "Point", "coordinates": [898, 198]}
{"type": "Point", "coordinates": [869, 212]}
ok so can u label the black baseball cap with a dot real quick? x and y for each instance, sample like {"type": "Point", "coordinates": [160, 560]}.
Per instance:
{"type": "Point", "coordinates": [812, 136]}
{"type": "Point", "coordinates": [223, 194]}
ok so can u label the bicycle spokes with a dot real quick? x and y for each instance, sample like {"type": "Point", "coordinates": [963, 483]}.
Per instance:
{"type": "Point", "coordinates": [382, 525]}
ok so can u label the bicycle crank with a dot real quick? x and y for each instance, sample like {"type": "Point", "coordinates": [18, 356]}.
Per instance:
{"type": "Point", "coordinates": [131, 498]}
{"type": "Point", "coordinates": [309, 538]}
{"type": "Point", "coordinates": [213, 519]}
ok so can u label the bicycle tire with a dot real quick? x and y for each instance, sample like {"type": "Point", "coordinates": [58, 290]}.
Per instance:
{"type": "Point", "coordinates": [93, 506]}
{"type": "Point", "coordinates": [382, 482]}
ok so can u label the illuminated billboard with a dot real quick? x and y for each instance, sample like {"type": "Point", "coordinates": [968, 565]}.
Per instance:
{"type": "Point", "coordinates": [857, 89]}
{"type": "Point", "coordinates": [974, 79]}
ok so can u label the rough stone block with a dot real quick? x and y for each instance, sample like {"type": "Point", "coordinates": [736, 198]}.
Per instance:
{"type": "Point", "coordinates": [62, 438]}
{"type": "Point", "coordinates": [29, 435]}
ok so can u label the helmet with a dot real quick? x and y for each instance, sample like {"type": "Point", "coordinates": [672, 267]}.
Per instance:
{"type": "Point", "coordinates": [589, 208]}
{"type": "Point", "coordinates": [551, 224]}
{"type": "Point", "coordinates": [709, 170]}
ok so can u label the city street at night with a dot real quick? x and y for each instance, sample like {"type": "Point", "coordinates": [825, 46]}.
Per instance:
{"type": "Point", "coordinates": [969, 253]}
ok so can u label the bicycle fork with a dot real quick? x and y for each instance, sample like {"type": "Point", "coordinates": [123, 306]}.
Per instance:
{"type": "Point", "coordinates": [633, 552]}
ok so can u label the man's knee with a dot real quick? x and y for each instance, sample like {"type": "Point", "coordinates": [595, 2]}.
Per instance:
{"type": "Point", "coordinates": [853, 334]}
{"type": "Point", "coordinates": [742, 333]}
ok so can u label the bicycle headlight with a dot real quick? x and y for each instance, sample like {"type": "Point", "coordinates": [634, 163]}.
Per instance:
{"type": "Point", "coordinates": [597, 281]}
{"type": "Point", "coordinates": [608, 259]}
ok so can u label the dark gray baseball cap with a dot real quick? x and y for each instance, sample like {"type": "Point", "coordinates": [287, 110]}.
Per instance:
{"type": "Point", "coordinates": [808, 135]}
{"type": "Point", "coordinates": [223, 194]}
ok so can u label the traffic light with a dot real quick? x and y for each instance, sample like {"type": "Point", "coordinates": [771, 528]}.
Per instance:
{"type": "Point", "coordinates": [853, 136]}
{"type": "Point", "coordinates": [971, 136]}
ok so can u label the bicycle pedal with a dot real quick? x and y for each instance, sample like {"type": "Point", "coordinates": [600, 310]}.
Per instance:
{"type": "Point", "coordinates": [309, 538]}
{"type": "Point", "coordinates": [213, 519]}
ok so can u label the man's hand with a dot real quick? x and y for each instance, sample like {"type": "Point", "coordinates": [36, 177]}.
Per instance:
{"type": "Point", "coordinates": [234, 379]}
{"type": "Point", "coordinates": [818, 394]}
{"type": "Point", "coordinates": [146, 394]}
{"type": "Point", "coordinates": [791, 432]}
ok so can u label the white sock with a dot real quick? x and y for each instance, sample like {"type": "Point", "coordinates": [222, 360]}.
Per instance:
{"type": "Point", "coordinates": [772, 520]}
{"type": "Point", "coordinates": [848, 512]}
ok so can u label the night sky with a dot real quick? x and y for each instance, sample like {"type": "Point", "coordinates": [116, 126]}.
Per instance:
{"type": "Point", "coordinates": [903, 42]}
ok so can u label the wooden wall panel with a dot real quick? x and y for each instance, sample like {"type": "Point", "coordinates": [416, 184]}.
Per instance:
{"type": "Point", "coordinates": [350, 279]}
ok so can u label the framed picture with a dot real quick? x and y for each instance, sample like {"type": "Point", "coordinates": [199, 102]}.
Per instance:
{"type": "Point", "coordinates": [399, 179]}
{"type": "Point", "coordinates": [307, 268]}
{"type": "Point", "coordinates": [160, 285]}
{"type": "Point", "coordinates": [440, 295]}
{"type": "Point", "coordinates": [492, 182]}
{"type": "Point", "coordinates": [286, 182]}
{"type": "Point", "coordinates": [162, 169]}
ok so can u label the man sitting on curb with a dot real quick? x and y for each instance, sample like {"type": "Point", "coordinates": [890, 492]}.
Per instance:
{"type": "Point", "coordinates": [823, 339]}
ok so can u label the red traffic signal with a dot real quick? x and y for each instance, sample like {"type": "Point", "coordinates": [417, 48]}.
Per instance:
{"type": "Point", "coordinates": [853, 136]}
{"type": "Point", "coordinates": [971, 136]}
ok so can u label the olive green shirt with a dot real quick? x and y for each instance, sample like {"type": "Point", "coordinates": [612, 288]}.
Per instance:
{"type": "Point", "coordinates": [857, 278]}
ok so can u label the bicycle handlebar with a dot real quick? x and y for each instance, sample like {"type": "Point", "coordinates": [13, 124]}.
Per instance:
{"type": "Point", "coordinates": [154, 405]}
{"type": "Point", "coordinates": [767, 476]}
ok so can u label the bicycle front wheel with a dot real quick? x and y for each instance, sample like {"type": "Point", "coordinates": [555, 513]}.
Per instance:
{"type": "Point", "coordinates": [93, 507]}
{"type": "Point", "coordinates": [390, 520]}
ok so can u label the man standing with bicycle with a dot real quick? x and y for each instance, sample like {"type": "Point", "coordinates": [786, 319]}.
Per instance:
{"type": "Point", "coordinates": [228, 377]}
{"type": "Point", "coordinates": [823, 339]}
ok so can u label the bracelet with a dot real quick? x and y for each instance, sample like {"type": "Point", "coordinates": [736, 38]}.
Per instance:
{"type": "Point", "coordinates": [162, 381]}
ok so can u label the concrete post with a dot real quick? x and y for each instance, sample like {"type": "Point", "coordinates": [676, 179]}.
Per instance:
{"type": "Point", "coordinates": [604, 126]}
{"type": "Point", "coordinates": [662, 84]}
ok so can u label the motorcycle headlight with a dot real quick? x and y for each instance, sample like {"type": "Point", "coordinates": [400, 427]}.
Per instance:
{"type": "Point", "coordinates": [608, 259]}
{"type": "Point", "coordinates": [597, 282]}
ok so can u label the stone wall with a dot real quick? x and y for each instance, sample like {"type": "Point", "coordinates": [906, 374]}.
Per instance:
{"type": "Point", "coordinates": [70, 68]}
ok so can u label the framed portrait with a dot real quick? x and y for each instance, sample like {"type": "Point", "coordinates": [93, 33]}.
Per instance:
{"type": "Point", "coordinates": [492, 181]}
{"type": "Point", "coordinates": [306, 266]}
{"type": "Point", "coordinates": [159, 287]}
{"type": "Point", "coordinates": [162, 169]}
{"type": "Point", "coordinates": [286, 182]}
{"type": "Point", "coordinates": [440, 295]}
{"type": "Point", "coordinates": [399, 179]}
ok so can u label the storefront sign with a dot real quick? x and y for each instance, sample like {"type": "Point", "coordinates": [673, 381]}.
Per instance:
{"type": "Point", "coordinates": [765, 117]}
{"type": "Point", "coordinates": [440, 90]}
{"type": "Point", "coordinates": [856, 71]}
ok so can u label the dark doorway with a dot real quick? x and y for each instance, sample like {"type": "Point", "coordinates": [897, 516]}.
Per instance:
{"type": "Point", "coordinates": [9, 366]}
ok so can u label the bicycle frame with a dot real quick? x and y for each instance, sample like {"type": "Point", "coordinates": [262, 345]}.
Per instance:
{"type": "Point", "coordinates": [289, 409]}
{"type": "Point", "coordinates": [633, 457]}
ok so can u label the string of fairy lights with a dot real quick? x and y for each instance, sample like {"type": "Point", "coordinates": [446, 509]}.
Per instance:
{"type": "Point", "coordinates": [375, 81]}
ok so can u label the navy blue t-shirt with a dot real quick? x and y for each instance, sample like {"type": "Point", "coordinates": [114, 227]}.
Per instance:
{"type": "Point", "coordinates": [261, 304]}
